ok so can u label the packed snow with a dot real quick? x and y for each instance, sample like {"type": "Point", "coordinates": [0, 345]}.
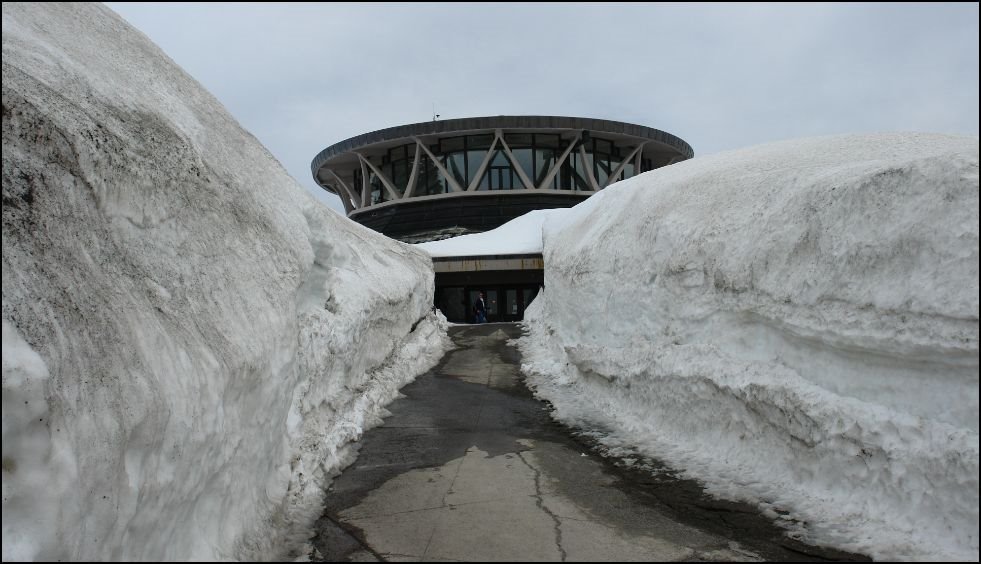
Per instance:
{"type": "Point", "coordinates": [521, 235]}
{"type": "Point", "coordinates": [190, 340]}
{"type": "Point", "coordinates": [794, 324]}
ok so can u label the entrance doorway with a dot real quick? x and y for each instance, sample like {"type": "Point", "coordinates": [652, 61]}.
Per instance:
{"type": "Point", "coordinates": [503, 303]}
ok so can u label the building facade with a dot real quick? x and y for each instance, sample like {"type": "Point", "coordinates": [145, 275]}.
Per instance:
{"type": "Point", "coordinates": [438, 179]}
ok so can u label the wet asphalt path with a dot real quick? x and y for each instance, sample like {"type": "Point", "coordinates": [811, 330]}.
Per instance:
{"type": "Point", "coordinates": [470, 467]}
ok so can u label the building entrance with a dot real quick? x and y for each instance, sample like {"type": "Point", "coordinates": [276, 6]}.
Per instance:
{"type": "Point", "coordinates": [503, 303]}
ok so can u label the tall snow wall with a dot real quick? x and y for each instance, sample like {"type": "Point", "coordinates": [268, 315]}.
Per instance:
{"type": "Point", "coordinates": [794, 324]}
{"type": "Point", "coordinates": [189, 339]}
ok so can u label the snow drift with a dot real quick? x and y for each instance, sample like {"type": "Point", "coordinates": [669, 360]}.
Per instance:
{"type": "Point", "coordinates": [521, 235]}
{"type": "Point", "coordinates": [189, 339]}
{"type": "Point", "coordinates": [795, 324]}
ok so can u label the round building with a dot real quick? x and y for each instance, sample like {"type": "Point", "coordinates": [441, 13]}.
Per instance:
{"type": "Point", "coordinates": [441, 178]}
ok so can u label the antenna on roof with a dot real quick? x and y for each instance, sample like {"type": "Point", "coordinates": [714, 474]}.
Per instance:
{"type": "Point", "coordinates": [435, 115]}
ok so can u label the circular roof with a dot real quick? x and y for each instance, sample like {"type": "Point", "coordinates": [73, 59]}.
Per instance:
{"type": "Point", "coordinates": [444, 127]}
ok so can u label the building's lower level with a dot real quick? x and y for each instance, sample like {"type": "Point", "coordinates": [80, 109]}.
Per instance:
{"type": "Point", "coordinates": [509, 283]}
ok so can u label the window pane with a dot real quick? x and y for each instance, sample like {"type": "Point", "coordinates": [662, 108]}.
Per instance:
{"type": "Point", "coordinates": [378, 193]}
{"type": "Point", "coordinates": [485, 182]}
{"type": "Point", "coordinates": [500, 159]}
{"type": "Point", "coordinates": [565, 174]}
{"type": "Point", "coordinates": [435, 183]}
{"type": "Point", "coordinates": [544, 159]}
{"type": "Point", "coordinates": [511, 302]}
{"type": "Point", "coordinates": [525, 159]}
{"type": "Point", "coordinates": [474, 158]}
{"type": "Point", "coordinates": [491, 302]}
{"type": "Point", "coordinates": [576, 173]}
{"type": "Point", "coordinates": [614, 163]}
{"type": "Point", "coordinates": [499, 177]}
{"type": "Point", "coordinates": [582, 180]}
{"type": "Point", "coordinates": [456, 164]}
{"type": "Point", "coordinates": [579, 182]}
{"type": "Point", "coordinates": [400, 174]}
{"type": "Point", "coordinates": [602, 170]}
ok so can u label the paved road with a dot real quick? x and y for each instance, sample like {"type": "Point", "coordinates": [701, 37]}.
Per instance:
{"type": "Point", "coordinates": [470, 467]}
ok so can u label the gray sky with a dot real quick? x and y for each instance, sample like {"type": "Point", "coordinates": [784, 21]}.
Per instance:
{"type": "Point", "coordinates": [301, 77]}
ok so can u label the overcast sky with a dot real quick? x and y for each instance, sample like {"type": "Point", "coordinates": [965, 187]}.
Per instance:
{"type": "Point", "coordinates": [301, 77]}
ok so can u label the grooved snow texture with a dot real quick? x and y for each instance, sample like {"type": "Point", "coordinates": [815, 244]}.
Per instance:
{"type": "Point", "coordinates": [795, 324]}
{"type": "Point", "coordinates": [189, 339]}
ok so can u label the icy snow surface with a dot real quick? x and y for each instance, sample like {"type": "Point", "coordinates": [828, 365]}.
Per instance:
{"type": "Point", "coordinates": [794, 324]}
{"type": "Point", "coordinates": [190, 341]}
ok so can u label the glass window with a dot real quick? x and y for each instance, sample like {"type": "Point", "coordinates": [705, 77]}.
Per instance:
{"type": "Point", "coordinates": [628, 170]}
{"type": "Point", "coordinates": [526, 160]}
{"type": "Point", "coordinates": [499, 178]}
{"type": "Point", "coordinates": [499, 172]}
{"type": "Point", "coordinates": [511, 302]}
{"type": "Point", "coordinates": [400, 174]}
{"type": "Point", "coordinates": [456, 164]}
{"type": "Point", "coordinates": [544, 159]}
{"type": "Point", "coordinates": [421, 180]}
{"type": "Point", "coordinates": [358, 180]}
{"type": "Point", "coordinates": [378, 194]}
{"type": "Point", "coordinates": [565, 173]}
{"type": "Point", "coordinates": [491, 302]}
{"type": "Point", "coordinates": [602, 170]}
{"type": "Point", "coordinates": [582, 180]}
{"type": "Point", "coordinates": [573, 177]}
{"type": "Point", "coordinates": [434, 183]}
{"type": "Point", "coordinates": [474, 158]}
{"type": "Point", "coordinates": [485, 181]}
{"type": "Point", "coordinates": [614, 163]}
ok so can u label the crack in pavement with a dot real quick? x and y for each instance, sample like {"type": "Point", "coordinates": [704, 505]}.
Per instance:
{"type": "Point", "coordinates": [597, 511]}
{"type": "Point", "coordinates": [539, 500]}
{"type": "Point", "coordinates": [358, 538]}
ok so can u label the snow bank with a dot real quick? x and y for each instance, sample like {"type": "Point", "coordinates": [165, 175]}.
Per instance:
{"type": "Point", "coordinates": [795, 324]}
{"type": "Point", "coordinates": [189, 339]}
{"type": "Point", "coordinates": [521, 235]}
